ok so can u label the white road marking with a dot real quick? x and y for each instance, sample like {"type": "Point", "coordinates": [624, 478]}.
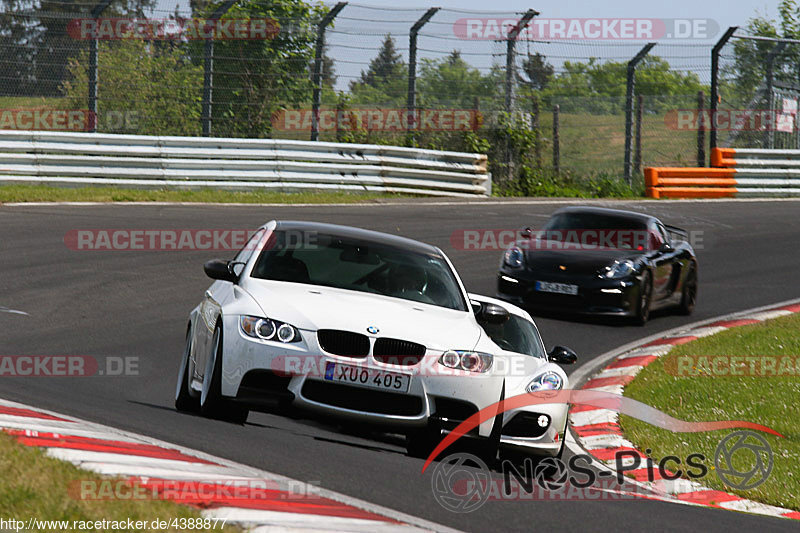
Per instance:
{"type": "Point", "coordinates": [12, 311]}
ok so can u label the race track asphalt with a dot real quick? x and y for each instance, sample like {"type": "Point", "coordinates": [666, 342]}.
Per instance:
{"type": "Point", "coordinates": [135, 303]}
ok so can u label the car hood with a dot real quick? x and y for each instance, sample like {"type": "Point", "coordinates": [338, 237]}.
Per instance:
{"type": "Point", "coordinates": [314, 307]}
{"type": "Point", "coordinates": [574, 261]}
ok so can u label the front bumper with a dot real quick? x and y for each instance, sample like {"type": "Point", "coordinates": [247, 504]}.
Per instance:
{"type": "Point", "coordinates": [596, 295]}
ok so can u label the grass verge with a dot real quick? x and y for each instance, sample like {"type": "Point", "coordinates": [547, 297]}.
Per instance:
{"type": "Point", "coordinates": [42, 193]}
{"type": "Point", "coordinates": [33, 485]}
{"type": "Point", "coordinates": [708, 394]}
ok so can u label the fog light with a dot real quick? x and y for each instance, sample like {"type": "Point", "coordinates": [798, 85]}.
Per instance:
{"type": "Point", "coordinates": [543, 421]}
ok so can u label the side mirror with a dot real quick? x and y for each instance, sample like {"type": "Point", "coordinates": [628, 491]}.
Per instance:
{"type": "Point", "coordinates": [476, 306]}
{"type": "Point", "coordinates": [526, 232]}
{"type": "Point", "coordinates": [494, 314]}
{"type": "Point", "coordinates": [562, 355]}
{"type": "Point", "coordinates": [219, 269]}
{"type": "Point", "coordinates": [665, 247]}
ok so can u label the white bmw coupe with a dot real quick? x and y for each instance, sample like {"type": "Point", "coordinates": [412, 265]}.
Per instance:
{"type": "Point", "coordinates": [367, 327]}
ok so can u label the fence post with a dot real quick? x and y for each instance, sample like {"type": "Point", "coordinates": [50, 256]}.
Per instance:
{"type": "Point", "coordinates": [97, 10]}
{"type": "Point", "coordinates": [208, 70]}
{"type": "Point", "coordinates": [631, 82]}
{"type": "Point", "coordinates": [316, 80]}
{"type": "Point", "coordinates": [701, 129]}
{"type": "Point", "coordinates": [537, 147]}
{"type": "Point", "coordinates": [511, 42]}
{"type": "Point", "coordinates": [556, 140]}
{"type": "Point", "coordinates": [637, 147]}
{"type": "Point", "coordinates": [411, 103]}
{"type": "Point", "coordinates": [770, 82]}
{"type": "Point", "coordinates": [712, 135]}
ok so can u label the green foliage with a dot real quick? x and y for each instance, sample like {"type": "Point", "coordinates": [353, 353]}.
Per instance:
{"type": "Point", "coordinates": [253, 79]}
{"type": "Point", "coordinates": [159, 96]}
{"type": "Point", "coordinates": [596, 87]}
{"type": "Point", "coordinates": [452, 82]}
{"type": "Point", "coordinates": [385, 81]}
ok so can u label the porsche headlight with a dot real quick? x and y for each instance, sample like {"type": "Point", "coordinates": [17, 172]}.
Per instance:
{"type": "Point", "coordinates": [619, 269]}
{"type": "Point", "coordinates": [268, 330]}
{"type": "Point", "coordinates": [466, 360]}
{"type": "Point", "coordinates": [514, 257]}
{"type": "Point", "coordinates": [546, 381]}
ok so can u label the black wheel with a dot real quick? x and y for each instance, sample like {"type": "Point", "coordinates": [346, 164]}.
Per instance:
{"type": "Point", "coordinates": [421, 443]}
{"type": "Point", "coordinates": [184, 401]}
{"type": "Point", "coordinates": [212, 404]}
{"type": "Point", "coordinates": [643, 305]}
{"type": "Point", "coordinates": [689, 293]}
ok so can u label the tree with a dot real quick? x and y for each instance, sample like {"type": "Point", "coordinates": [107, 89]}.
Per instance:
{"type": "Point", "coordinates": [386, 66]}
{"type": "Point", "coordinates": [253, 79]}
{"type": "Point", "coordinates": [452, 82]}
{"type": "Point", "coordinates": [538, 72]}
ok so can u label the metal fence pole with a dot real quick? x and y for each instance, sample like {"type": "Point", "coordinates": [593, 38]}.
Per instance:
{"type": "Point", "coordinates": [556, 140]}
{"type": "Point", "coordinates": [208, 70]}
{"type": "Point", "coordinates": [316, 79]}
{"type": "Point", "coordinates": [511, 42]}
{"type": "Point", "coordinates": [411, 104]}
{"type": "Point", "coordinates": [535, 126]}
{"type": "Point", "coordinates": [712, 135]}
{"type": "Point", "coordinates": [631, 82]}
{"type": "Point", "coordinates": [770, 83]}
{"type": "Point", "coordinates": [637, 147]}
{"type": "Point", "coordinates": [93, 75]}
{"type": "Point", "coordinates": [701, 129]}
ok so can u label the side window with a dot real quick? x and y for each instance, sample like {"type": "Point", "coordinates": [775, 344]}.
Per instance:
{"type": "Point", "coordinates": [247, 251]}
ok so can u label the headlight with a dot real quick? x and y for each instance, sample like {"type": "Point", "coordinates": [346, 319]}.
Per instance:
{"type": "Point", "coordinates": [619, 269]}
{"type": "Point", "coordinates": [546, 381]}
{"type": "Point", "coordinates": [466, 360]}
{"type": "Point", "coordinates": [268, 330]}
{"type": "Point", "coordinates": [514, 257]}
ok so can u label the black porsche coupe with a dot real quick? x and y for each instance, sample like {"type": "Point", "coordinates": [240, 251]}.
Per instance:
{"type": "Point", "coordinates": [592, 260]}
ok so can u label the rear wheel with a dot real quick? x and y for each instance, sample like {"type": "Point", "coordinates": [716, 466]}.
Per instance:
{"type": "Point", "coordinates": [212, 403]}
{"type": "Point", "coordinates": [184, 401]}
{"type": "Point", "coordinates": [689, 293]}
{"type": "Point", "coordinates": [643, 305]}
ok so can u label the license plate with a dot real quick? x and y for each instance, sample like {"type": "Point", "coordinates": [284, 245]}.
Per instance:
{"type": "Point", "coordinates": [367, 377]}
{"type": "Point", "coordinates": [560, 288]}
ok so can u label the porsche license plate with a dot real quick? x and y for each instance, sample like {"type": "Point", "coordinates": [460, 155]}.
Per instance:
{"type": "Point", "coordinates": [560, 288]}
{"type": "Point", "coordinates": [367, 377]}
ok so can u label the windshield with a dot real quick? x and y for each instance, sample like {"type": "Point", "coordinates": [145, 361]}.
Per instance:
{"type": "Point", "coordinates": [515, 335]}
{"type": "Point", "coordinates": [598, 230]}
{"type": "Point", "coordinates": [359, 265]}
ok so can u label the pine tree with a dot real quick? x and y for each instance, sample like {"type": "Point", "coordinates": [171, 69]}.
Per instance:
{"type": "Point", "coordinates": [386, 66]}
{"type": "Point", "coordinates": [538, 71]}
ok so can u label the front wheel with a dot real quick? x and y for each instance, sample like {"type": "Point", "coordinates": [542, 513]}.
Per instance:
{"type": "Point", "coordinates": [643, 305]}
{"type": "Point", "coordinates": [421, 443]}
{"type": "Point", "coordinates": [184, 401]}
{"type": "Point", "coordinates": [212, 403]}
{"type": "Point", "coordinates": [689, 293]}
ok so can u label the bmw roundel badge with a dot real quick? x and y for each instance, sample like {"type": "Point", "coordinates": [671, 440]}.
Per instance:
{"type": "Point", "coordinates": [373, 330]}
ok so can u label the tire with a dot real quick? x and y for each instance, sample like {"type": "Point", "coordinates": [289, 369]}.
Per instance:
{"type": "Point", "coordinates": [689, 292]}
{"type": "Point", "coordinates": [212, 403]}
{"type": "Point", "coordinates": [184, 401]}
{"type": "Point", "coordinates": [643, 304]}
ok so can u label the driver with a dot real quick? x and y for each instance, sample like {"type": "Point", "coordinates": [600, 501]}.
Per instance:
{"type": "Point", "coordinates": [406, 278]}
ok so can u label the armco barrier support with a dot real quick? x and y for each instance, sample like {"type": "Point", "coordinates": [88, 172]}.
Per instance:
{"type": "Point", "coordinates": [738, 172]}
{"type": "Point", "coordinates": [61, 158]}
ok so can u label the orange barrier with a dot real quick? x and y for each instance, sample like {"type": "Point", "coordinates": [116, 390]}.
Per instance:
{"type": "Point", "coordinates": [667, 182]}
{"type": "Point", "coordinates": [723, 157]}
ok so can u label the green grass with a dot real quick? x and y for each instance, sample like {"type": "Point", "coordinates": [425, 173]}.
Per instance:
{"type": "Point", "coordinates": [19, 102]}
{"type": "Point", "coordinates": [35, 485]}
{"type": "Point", "coordinates": [768, 400]}
{"type": "Point", "coordinates": [40, 193]}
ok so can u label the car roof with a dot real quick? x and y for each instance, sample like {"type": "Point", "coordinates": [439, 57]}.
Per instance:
{"type": "Point", "coordinates": [359, 233]}
{"type": "Point", "coordinates": [630, 215]}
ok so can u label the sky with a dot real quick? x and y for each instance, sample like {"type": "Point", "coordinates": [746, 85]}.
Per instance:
{"type": "Point", "coordinates": [358, 31]}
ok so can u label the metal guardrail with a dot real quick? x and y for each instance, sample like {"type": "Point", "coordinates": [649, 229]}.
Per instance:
{"type": "Point", "coordinates": [752, 172]}
{"type": "Point", "coordinates": [60, 158]}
